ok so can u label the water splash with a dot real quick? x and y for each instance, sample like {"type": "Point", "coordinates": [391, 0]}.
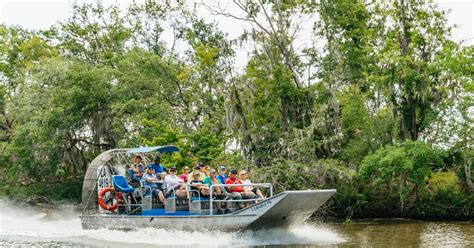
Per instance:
{"type": "Point", "coordinates": [63, 224]}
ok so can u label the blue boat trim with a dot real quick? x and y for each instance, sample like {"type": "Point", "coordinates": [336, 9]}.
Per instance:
{"type": "Point", "coordinates": [162, 149]}
{"type": "Point", "coordinates": [161, 211]}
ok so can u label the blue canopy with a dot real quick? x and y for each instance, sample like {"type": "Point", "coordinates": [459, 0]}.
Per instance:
{"type": "Point", "coordinates": [162, 149]}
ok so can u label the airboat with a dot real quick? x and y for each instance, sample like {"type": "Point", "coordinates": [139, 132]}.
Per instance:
{"type": "Point", "coordinates": [110, 201]}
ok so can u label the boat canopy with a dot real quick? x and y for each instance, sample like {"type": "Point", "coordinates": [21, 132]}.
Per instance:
{"type": "Point", "coordinates": [112, 159]}
{"type": "Point", "coordinates": [162, 149]}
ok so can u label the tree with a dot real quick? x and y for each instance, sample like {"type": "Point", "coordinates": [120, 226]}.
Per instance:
{"type": "Point", "coordinates": [409, 164]}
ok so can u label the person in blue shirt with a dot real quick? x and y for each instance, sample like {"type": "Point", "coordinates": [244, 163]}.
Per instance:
{"type": "Point", "coordinates": [153, 183]}
{"type": "Point", "coordinates": [222, 174]}
{"type": "Point", "coordinates": [159, 168]}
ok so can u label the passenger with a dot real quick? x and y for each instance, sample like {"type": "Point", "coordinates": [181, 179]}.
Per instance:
{"type": "Point", "coordinates": [219, 192]}
{"type": "Point", "coordinates": [206, 170]}
{"type": "Point", "coordinates": [175, 183]}
{"type": "Point", "coordinates": [222, 174]}
{"type": "Point", "coordinates": [159, 168]}
{"type": "Point", "coordinates": [248, 189]}
{"type": "Point", "coordinates": [197, 170]}
{"type": "Point", "coordinates": [138, 168]}
{"type": "Point", "coordinates": [199, 185]}
{"type": "Point", "coordinates": [237, 190]}
{"type": "Point", "coordinates": [212, 180]}
{"type": "Point", "coordinates": [154, 183]}
{"type": "Point", "coordinates": [163, 175]}
{"type": "Point", "coordinates": [185, 174]}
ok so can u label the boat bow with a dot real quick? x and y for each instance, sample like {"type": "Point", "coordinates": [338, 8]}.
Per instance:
{"type": "Point", "coordinates": [287, 209]}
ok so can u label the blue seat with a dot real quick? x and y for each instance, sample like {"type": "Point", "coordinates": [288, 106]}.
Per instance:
{"type": "Point", "coordinates": [121, 184]}
{"type": "Point", "coordinates": [132, 174]}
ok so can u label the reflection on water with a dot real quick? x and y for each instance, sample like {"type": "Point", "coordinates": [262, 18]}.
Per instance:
{"type": "Point", "coordinates": [448, 234]}
{"type": "Point", "coordinates": [405, 233]}
{"type": "Point", "coordinates": [26, 226]}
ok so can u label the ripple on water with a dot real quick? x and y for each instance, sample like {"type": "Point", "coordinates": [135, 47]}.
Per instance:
{"type": "Point", "coordinates": [445, 235]}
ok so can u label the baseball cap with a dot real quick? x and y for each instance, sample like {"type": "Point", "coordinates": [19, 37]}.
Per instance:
{"type": "Point", "coordinates": [233, 172]}
{"type": "Point", "coordinates": [223, 167]}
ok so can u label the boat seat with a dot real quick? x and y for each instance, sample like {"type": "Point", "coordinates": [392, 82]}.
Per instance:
{"type": "Point", "coordinates": [147, 200]}
{"type": "Point", "coordinates": [121, 184]}
{"type": "Point", "coordinates": [195, 202]}
{"type": "Point", "coordinates": [170, 206]}
{"type": "Point", "coordinates": [132, 174]}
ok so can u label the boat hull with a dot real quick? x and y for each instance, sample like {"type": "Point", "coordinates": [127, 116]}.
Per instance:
{"type": "Point", "coordinates": [284, 210]}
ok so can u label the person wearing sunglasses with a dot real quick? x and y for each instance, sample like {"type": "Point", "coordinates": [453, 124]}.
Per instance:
{"type": "Point", "coordinates": [249, 189]}
{"type": "Point", "coordinates": [185, 174]}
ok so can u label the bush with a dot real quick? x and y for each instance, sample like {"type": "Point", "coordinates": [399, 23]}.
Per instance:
{"type": "Point", "coordinates": [444, 183]}
{"type": "Point", "coordinates": [444, 198]}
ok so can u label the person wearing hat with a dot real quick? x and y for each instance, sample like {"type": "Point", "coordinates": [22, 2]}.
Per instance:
{"type": "Point", "coordinates": [219, 192]}
{"type": "Point", "coordinates": [236, 191]}
{"type": "Point", "coordinates": [249, 189]}
{"type": "Point", "coordinates": [197, 170]}
{"type": "Point", "coordinates": [198, 185]}
{"type": "Point", "coordinates": [153, 183]}
{"type": "Point", "coordinates": [222, 174]}
{"type": "Point", "coordinates": [212, 180]}
{"type": "Point", "coordinates": [159, 168]}
{"type": "Point", "coordinates": [185, 174]}
{"type": "Point", "coordinates": [138, 168]}
{"type": "Point", "coordinates": [173, 182]}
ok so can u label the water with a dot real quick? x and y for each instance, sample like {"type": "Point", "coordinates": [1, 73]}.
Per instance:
{"type": "Point", "coordinates": [406, 233]}
{"type": "Point", "coordinates": [46, 227]}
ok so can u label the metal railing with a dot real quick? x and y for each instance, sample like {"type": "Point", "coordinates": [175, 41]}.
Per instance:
{"type": "Point", "coordinates": [211, 188]}
{"type": "Point", "coordinates": [147, 192]}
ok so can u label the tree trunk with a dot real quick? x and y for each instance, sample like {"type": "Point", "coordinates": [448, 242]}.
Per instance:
{"type": "Point", "coordinates": [467, 171]}
{"type": "Point", "coordinates": [403, 185]}
{"type": "Point", "coordinates": [408, 126]}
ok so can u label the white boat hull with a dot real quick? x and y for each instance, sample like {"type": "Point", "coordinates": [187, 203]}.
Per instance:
{"type": "Point", "coordinates": [284, 210]}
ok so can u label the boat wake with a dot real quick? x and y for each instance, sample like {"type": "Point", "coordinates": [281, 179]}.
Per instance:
{"type": "Point", "coordinates": [36, 225]}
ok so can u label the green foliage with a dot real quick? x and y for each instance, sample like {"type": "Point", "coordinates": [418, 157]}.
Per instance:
{"type": "Point", "coordinates": [445, 183]}
{"type": "Point", "coordinates": [444, 197]}
{"type": "Point", "coordinates": [205, 145]}
{"type": "Point", "coordinates": [414, 158]}
{"type": "Point", "coordinates": [376, 108]}
{"type": "Point", "coordinates": [406, 166]}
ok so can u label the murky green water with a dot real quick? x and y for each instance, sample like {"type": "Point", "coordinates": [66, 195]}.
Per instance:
{"type": "Point", "coordinates": [405, 233]}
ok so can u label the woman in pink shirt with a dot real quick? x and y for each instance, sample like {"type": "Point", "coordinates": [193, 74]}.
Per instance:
{"type": "Point", "coordinates": [185, 174]}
